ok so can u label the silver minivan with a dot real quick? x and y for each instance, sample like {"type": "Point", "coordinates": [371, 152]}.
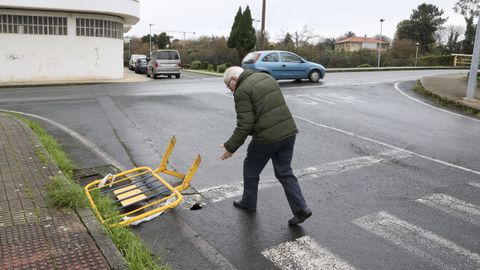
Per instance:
{"type": "Point", "coordinates": [164, 62]}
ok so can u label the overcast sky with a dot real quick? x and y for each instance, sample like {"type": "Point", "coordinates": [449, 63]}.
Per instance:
{"type": "Point", "coordinates": [326, 18]}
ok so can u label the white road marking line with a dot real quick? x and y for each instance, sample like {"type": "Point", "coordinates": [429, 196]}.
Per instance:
{"type": "Point", "coordinates": [344, 98]}
{"type": "Point", "coordinates": [317, 99]}
{"type": "Point", "coordinates": [301, 100]}
{"type": "Point", "coordinates": [453, 207]}
{"type": "Point", "coordinates": [223, 192]}
{"type": "Point", "coordinates": [304, 254]}
{"type": "Point", "coordinates": [433, 107]}
{"type": "Point", "coordinates": [419, 242]}
{"type": "Point", "coordinates": [388, 145]}
{"type": "Point", "coordinates": [475, 184]}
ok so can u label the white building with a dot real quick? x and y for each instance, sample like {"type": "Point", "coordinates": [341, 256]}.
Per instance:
{"type": "Point", "coordinates": [64, 40]}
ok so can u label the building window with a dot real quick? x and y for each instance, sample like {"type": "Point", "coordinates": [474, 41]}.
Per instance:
{"type": "Point", "coordinates": [99, 28]}
{"type": "Point", "coordinates": [33, 25]}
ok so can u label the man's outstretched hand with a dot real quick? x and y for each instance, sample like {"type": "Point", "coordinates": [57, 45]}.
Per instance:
{"type": "Point", "coordinates": [226, 154]}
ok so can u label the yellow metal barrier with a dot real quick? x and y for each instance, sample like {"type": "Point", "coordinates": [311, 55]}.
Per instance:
{"type": "Point", "coordinates": [141, 193]}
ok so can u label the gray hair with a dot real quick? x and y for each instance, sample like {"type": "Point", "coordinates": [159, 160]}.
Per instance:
{"type": "Point", "coordinates": [231, 72]}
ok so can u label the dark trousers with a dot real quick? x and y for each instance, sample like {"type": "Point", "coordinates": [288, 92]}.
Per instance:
{"type": "Point", "coordinates": [281, 154]}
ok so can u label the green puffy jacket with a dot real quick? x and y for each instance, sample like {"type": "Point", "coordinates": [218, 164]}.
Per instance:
{"type": "Point", "coordinates": [261, 111]}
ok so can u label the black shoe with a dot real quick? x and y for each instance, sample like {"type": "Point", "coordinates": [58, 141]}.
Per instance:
{"type": "Point", "coordinates": [241, 205]}
{"type": "Point", "coordinates": [300, 217]}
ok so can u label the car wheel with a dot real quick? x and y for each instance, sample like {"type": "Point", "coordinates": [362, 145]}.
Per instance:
{"type": "Point", "coordinates": [177, 76]}
{"type": "Point", "coordinates": [314, 76]}
{"type": "Point", "coordinates": [169, 76]}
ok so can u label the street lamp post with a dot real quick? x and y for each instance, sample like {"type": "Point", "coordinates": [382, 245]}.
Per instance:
{"type": "Point", "coordinates": [151, 39]}
{"type": "Point", "coordinates": [416, 55]}
{"type": "Point", "coordinates": [380, 43]}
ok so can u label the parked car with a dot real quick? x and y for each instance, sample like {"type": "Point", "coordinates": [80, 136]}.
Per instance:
{"type": "Point", "coordinates": [133, 60]}
{"type": "Point", "coordinates": [141, 66]}
{"type": "Point", "coordinates": [164, 62]}
{"type": "Point", "coordinates": [283, 65]}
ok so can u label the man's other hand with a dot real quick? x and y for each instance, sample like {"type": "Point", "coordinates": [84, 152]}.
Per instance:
{"type": "Point", "coordinates": [226, 154]}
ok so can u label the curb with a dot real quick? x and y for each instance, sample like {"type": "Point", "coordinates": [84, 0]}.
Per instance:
{"type": "Point", "coordinates": [104, 243]}
{"type": "Point", "coordinates": [335, 70]}
{"type": "Point", "coordinates": [461, 105]}
{"type": "Point", "coordinates": [204, 72]}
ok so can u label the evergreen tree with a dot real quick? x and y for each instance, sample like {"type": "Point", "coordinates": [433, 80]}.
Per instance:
{"type": "Point", "coordinates": [231, 42]}
{"type": "Point", "coordinates": [288, 42]}
{"type": "Point", "coordinates": [161, 41]}
{"type": "Point", "coordinates": [422, 25]}
{"type": "Point", "coordinates": [242, 36]}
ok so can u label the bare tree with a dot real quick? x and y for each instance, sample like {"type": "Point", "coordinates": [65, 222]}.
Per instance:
{"type": "Point", "coordinates": [449, 34]}
{"type": "Point", "coordinates": [304, 37]}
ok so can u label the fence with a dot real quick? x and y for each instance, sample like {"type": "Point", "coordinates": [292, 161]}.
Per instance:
{"type": "Point", "coordinates": [462, 59]}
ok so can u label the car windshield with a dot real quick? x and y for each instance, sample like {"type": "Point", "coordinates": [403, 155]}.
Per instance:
{"type": "Point", "coordinates": [142, 61]}
{"type": "Point", "coordinates": [250, 58]}
{"type": "Point", "coordinates": [167, 55]}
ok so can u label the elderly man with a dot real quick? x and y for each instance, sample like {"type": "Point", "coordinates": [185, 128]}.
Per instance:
{"type": "Point", "coordinates": [262, 112]}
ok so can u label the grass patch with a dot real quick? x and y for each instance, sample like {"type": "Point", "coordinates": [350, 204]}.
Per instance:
{"type": "Point", "coordinates": [63, 193]}
{"type": "Point", "coordinates": [445, 101]}
{"type": "Point", "coordinates": [53, 148]}
{"type": "Point", "coordinates": [128, 242]}
{"type": "Point", "coordinates": [68, 193]}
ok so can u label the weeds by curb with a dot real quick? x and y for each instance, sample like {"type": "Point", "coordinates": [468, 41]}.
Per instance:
{"type": "Point", "coordinates": [65, 192]}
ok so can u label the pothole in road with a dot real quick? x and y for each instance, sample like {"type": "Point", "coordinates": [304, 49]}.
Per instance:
{"type": "Point", "coordinates": [196, 206]}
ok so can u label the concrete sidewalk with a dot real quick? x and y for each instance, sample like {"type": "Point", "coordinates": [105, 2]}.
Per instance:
{"type": "Point", "coordinates": [129, 77]}
{"type": "Point", "coordinates": [452, 87]}
{"type": "Point", "coordinates": [32, 234]}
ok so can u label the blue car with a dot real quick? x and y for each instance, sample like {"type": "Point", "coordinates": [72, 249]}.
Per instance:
{"type": "Point", "coordinates": [283, 65]}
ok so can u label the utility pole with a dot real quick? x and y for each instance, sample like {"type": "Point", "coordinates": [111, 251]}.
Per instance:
{"type": "Point", "coordinates": [380, 43]}
{"type": "Point", "coordinates": [262, 31]}
{"type": "Point", "coordinates": [472, 76]}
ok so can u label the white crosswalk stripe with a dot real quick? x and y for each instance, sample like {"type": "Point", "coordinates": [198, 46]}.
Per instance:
{"type": "Point", "coordinates": [424, 244]}
{"type": "Point", "coordinates": [454, 207]}
{"type": "Point", "coordinates": [305, 254]}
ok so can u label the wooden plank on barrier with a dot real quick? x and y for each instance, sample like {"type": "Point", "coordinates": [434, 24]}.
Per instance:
{"type": "Point", "coordinates": [130, 194]}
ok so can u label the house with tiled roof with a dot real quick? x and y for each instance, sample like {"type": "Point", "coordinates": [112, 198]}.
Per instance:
{"type": "Point", "coordinates": [353, 44]}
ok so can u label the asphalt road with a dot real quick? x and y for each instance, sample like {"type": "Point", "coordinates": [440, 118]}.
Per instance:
{"type": "Point", "coordinates": [393, 184]}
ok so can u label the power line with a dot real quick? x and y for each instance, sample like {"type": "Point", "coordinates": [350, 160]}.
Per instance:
{"type": "Point", "coordinates": [176, 31]}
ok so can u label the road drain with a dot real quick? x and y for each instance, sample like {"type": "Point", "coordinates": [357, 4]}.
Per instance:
{"type": "Point", "coordinates": [86, 175]}
{"type": "Point", "coordinates": [196, 206]}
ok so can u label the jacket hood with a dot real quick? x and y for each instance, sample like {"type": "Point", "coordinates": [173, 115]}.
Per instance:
{"type": "Point", "coordinates": [242, 77]}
